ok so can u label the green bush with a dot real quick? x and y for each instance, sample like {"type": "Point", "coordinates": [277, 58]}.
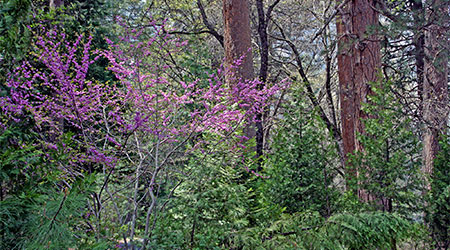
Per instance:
{"type": "Point", "coordinates": [439, 209]}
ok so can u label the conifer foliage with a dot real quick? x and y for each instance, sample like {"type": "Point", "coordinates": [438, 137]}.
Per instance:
{"type": "Point", "coordinates": [142, 124]}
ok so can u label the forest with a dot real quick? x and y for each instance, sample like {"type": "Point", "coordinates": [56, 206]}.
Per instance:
{"type": "Point", "coordinates": [224, 124]}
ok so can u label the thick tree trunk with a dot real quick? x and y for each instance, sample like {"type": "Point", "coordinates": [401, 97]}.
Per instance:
{"type": "Point", "coordinates": [346, 85]}
{"type": "Point", "coordinates": [435, 85]}
{"type": "Point", "coordinates": [237, 37]}
{"type": "Point", "coordinates": [358, 63]}
{"type": "Point", "coordinates": [237, 44]}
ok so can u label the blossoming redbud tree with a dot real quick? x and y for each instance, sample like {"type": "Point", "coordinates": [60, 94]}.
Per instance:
{"type": "Point", "coordinates": [143, 120]}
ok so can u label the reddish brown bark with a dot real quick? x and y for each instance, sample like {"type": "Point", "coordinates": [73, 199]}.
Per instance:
{"type": "Point", "coordinates": [237, 43]}
{"type": "Point", "coordinates": [435, 85]}
{"type": "Point", "coordinates": [358, 63]}
{"type": "Point", "coordinates": [346, 85]}
{"type": "Point", "coordinates": [237, 37]}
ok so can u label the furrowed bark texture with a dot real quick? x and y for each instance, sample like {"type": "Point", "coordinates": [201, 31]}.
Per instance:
{"type": "Point", "coordinates": [237, 37]}
{"type": "Point", "coordinates": [238, 43]}
{"type": "Point", "coordinates": [358, 63]}
{"type": "Point", "coordinates": [435, 85]}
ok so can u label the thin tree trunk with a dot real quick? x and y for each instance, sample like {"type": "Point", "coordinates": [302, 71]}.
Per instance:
{"type": "Point", "coordinates": [135, 212]}
{"type": "Point", "coordinates": [208, 25]}
{"type": "Point", "coordinates": [263, 70]}
{"type": "Point", "coordinates": [330, 124]}
{"type": "Point", "coordinates": [419, 47]}
{"type": "Point", "coordinates": [147, 231]}
{"type": "Point", "coordinates": [263, 21]}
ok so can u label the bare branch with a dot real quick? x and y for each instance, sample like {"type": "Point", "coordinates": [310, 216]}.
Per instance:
{"type": "Point", "coordinates": [208, 25]}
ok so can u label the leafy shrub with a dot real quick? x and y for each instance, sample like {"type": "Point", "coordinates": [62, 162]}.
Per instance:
{"type": "Point", "coordinates": [439, 209]}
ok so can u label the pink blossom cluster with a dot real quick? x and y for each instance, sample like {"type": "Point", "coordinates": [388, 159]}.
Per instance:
{"type": "Point", "coordinates": [54, 88]}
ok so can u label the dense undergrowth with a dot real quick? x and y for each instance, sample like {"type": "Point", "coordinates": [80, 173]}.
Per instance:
{"type": "Point", "coordinates": [118, 137]}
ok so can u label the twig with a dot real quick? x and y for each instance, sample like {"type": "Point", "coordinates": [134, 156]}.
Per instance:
{"type": "Point", "coordinates": [61, 204]}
